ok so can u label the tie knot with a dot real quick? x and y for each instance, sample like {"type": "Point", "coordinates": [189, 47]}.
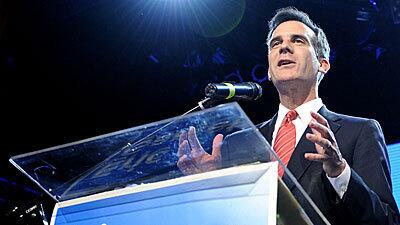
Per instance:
{"type": "Point", "coordinates": [290, 116]}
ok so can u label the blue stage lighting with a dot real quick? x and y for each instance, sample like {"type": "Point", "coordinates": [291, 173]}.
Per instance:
{"type": "Point", "coordinates": [394, 159]}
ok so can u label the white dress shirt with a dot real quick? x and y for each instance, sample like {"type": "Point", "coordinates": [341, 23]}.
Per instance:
{"type": "Point", "coordinates": [340, 182]}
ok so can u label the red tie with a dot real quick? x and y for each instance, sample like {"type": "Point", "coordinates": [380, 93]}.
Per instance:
{"type": "Point", "coordinates": [285, 140]}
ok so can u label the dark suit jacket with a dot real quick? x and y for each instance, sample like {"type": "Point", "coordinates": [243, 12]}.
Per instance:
{"type": "Point", "coordinates": [368, 199]}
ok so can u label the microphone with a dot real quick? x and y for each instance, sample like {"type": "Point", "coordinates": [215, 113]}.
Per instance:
{"type": "Point", "coordinates": [241, 91]}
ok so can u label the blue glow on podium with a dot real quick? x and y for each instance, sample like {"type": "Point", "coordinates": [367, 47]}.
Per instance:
{"type": "Point", "coordinates": [394, 159]}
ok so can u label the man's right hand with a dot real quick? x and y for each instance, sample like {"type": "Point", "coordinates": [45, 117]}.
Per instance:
{"type": "Point", "coordinates": [192, 157]}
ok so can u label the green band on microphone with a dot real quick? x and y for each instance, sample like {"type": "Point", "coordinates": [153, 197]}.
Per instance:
{"type": "Point", "coordinates": [231, 90]}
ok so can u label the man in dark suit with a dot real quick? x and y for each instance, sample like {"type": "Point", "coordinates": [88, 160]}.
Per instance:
{"type": "Point", "coordinates": [340, 161]}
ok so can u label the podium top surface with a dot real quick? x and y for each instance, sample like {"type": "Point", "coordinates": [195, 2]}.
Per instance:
{"type": "Point", "coordinates": [142, 154]}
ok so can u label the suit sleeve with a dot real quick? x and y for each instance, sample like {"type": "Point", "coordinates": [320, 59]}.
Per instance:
{"type": "Point", "coordinates": [369, 198]}
{"type": "Point", "coordinates": [243, 147]}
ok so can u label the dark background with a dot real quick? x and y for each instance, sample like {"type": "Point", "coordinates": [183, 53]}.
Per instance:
{"type": "Point", "coordinates": [71, 70]}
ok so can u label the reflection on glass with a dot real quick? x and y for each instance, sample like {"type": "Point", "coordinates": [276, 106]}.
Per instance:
{"type": "Point", "coordinates": [138, 155]}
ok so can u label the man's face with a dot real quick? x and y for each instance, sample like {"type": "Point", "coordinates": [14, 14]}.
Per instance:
{"type": "Point", "coordinates": [291, 55]}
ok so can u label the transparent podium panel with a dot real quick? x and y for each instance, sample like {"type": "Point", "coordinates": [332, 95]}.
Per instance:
{"type": "Point", "coordinates": [150, 153]}
{"type": "Point", "coordinates": [138, 155]}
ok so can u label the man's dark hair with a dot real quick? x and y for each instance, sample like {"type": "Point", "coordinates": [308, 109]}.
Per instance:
{"type": "Point", "coordinates": [320, 42]}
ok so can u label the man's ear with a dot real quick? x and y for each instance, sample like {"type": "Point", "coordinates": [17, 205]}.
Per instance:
{"type": "Point", "coordinates": [324, 65]}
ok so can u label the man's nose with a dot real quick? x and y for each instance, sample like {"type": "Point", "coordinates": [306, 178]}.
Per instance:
{"type": "Point", "coordinates": [286, 47]}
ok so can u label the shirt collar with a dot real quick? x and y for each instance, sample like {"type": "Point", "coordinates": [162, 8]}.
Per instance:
{"type": "Point", "coordinates": [303, 110]}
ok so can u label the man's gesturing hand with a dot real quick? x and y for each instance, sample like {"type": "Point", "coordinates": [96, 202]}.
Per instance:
{"type": "Point", "coordinates": [192, 157]}
{"type": "Point", "coordinates": [325, 143]}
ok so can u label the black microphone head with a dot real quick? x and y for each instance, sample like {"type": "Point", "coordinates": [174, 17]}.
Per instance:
{"type": "Point", "coordinates": [211, 90]}
{"type": "Point", "coordinates": [240, 91]}
{"type": "Point", "coordinates": [257, 90]}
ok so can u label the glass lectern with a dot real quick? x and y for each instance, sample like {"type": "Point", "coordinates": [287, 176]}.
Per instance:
{"type": "Point", "coordinates": [132, 175]}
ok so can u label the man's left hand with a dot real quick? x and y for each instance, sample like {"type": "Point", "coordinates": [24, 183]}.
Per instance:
{"type": "Point", "coordinates": [325, 143]}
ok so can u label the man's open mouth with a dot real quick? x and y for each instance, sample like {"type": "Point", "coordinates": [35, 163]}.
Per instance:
{"type": "Point", "coordinates": [284, 62]}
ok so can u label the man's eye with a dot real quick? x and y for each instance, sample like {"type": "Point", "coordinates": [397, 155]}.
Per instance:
{"type": "Point", "coordinates": [298, 40]}
{"type": "Point", "coordinates": [275, 43]}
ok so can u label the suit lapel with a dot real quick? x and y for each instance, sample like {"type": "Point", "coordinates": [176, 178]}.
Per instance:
{"type": "Point", "coordinates": [267, 128]}
{"type": "Point", "coordinates": [331, 117]}
{"type": "Point", "coordinates": [299, 165]}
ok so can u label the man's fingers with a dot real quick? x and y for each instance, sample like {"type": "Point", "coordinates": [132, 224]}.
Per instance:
{"type": "Point", "coordinates": [181, 163]}
{"type": "Point", "coordinates": [186, 165]}
{"type": "Point", "coordinates": [184, 149]}
{"type": "Point", "coordinates": [216, 146]}
{"type": "Point", "coordinates": [316, 157]}
{"type": "Point", "coordinates": [320, 128]}
{"type": "Point", "coordinates": [320, 119]}
{"type": "Point", "coordinates": [182, 137]}
{"type": "Point", "coordinates": [193, 140]}
{"type": "Point", "coordinates": [323, 142]}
